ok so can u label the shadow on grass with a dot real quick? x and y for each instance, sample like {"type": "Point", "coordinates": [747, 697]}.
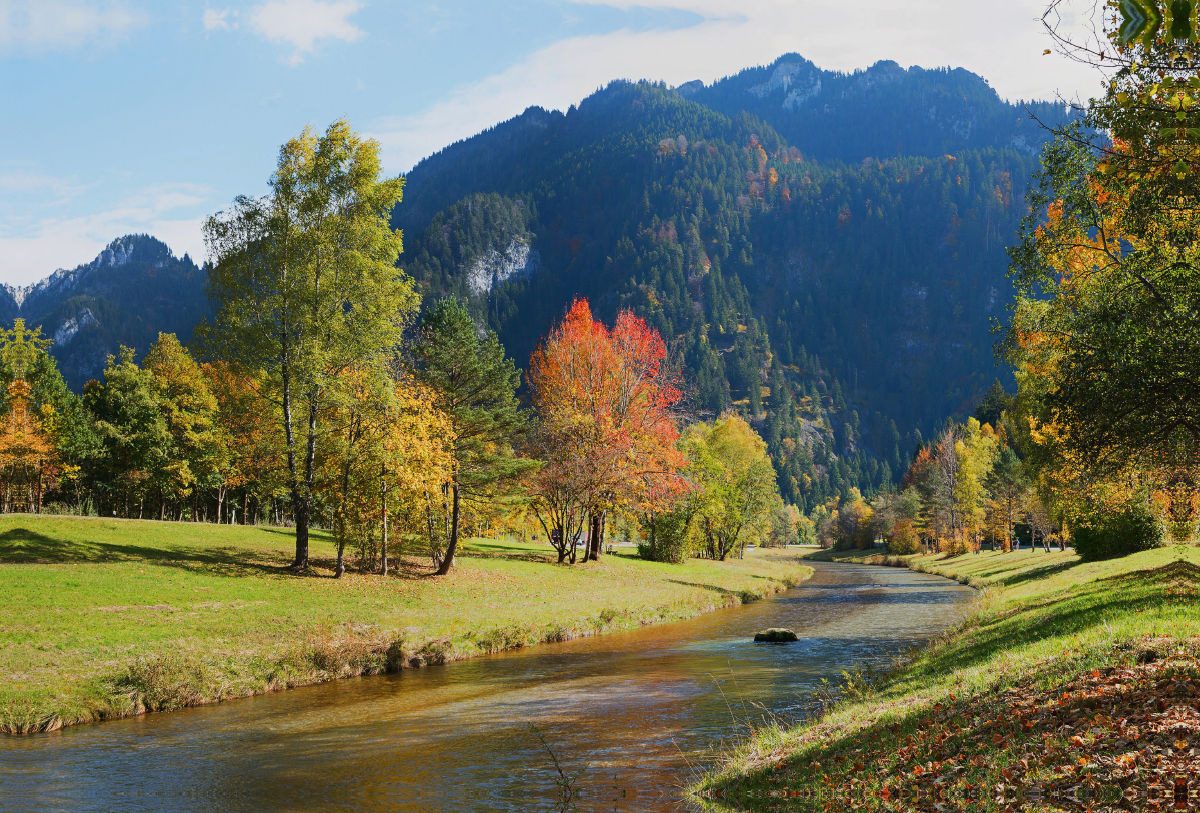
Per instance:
{"type": "Point", "coordinates": [25, 546]}
{"type": "Point", "coordinates": [1034, 573]}
{"type": "Point", "coordinates": [1037, 619]}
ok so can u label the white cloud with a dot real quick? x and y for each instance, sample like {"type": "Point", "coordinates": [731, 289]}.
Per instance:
{"type": "Point", "coordinates": [31, 26]}
{"type": "Point", "coordinates": [1001, 40]}
{"type": "Point", "coordinates": [302, 23]}
{"type": "Point", "coordinates": [221, 20]}
{"type": "Point", "coordinates": [41, 246]}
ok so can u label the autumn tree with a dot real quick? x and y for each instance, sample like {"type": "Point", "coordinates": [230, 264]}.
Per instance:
{"type": "Point", "coordinates": [975, 451]}
{"type": "Point", "coordinates": [1106, 331]}
{"type": "Point", "coordinates": [610, 397]}
{"type": "Point", "coordinates": [199, 450]}
{"type": "Point", "coordinates": [559, 490]}
{"type": "Point", "coordinates": [255, 448]}
{"type": "Point", "coordinates": [729, 463]}
{"type": "Point", "coordinates": [304, 285]}
{"type": "Point", "coordinates": [28, 458]}
{"type": "Point", "coordinates": [387, 445]}
{"type": "Point", "coordinates": [474, 385]}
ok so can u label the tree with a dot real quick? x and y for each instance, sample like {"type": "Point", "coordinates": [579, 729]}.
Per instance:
{"type": "Point", "coordinates": [388, 443]}
{"type": "Point", "coordinates": [1009, 488]}
{"type": "Point", "coordinates": [199, 450]}
{"type": "Point", "coordinates": [1105, 333]}
{"type": "Point", "coordinates": [475, 386]}
{"type": "Point", "coordinates": [249, 422]}
{"type": "Point", "coordinates": [28, 459]}
{"type": "Point", "coordinates": [729, 463]}
{"type": "Point", "coordinates": [611, 398]}
{"type": "Point", "coordinates": [304, 285]}
{"type": "Point", "coordinates": [992, 407]}
{"type": "Point", "coordinates": [133, 431]}
{"type": "Point", "coordinates": [559, 490]}
{"type": "Point", "coordinates": [975, 452]}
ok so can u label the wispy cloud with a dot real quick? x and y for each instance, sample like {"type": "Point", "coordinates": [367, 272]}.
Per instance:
{"type": "Point", "coordinates": [32, 248]}
{"type": "Point", "coordinates": [52, 189]}
{"type": "Point", "coordinates": [219, 20]}
{"type": "Point", "coordinates": [735, 35]}
{"type": "Point", "coordinates": [32, 26]}
{"type": "Point", "coordinates": [303, 23]}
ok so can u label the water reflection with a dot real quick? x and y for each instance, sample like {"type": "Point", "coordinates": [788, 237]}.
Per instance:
{"type": "Point", "coordinates": [640, 711]}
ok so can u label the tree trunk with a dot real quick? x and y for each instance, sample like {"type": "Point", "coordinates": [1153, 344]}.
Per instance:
{"type": "Point", "coordinates": [303, 507]}
{"type": "Point", "coordinates": [298, 504]}
{"type": "Point", "coordinates": [448, 562]}
{"type": "Point", "coordinates": [245, 507]}
{"type": "Point", "coordinates": [383, 545]}
{"type": "Point", "coordinates": [595, 535]}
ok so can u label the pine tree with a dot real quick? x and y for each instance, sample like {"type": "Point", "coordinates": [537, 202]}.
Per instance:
{"type": "Point", "coordinates": [475, 386]}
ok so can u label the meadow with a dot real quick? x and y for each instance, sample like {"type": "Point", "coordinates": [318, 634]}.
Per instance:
{"type": "Point", "coordinates": [108, 617]}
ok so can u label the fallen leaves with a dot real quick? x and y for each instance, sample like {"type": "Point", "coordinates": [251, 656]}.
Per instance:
{"type": "Point", "coordinates": [1122, 738]}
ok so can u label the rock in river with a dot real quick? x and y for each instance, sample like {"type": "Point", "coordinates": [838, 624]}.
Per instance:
{"type": "Point", "coordinates": [776, 635]}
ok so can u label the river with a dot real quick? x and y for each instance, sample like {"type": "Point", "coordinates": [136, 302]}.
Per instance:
{"type": "Point", "coordinates": [636, 712]}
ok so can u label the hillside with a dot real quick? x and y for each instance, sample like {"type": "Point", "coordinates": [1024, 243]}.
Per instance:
{"type": "Point", "coordinates": [845, 307]}
{"type": "Point", "coordinates": [825, 251]}
{"type": "Point", "coordinates": [879, 112]}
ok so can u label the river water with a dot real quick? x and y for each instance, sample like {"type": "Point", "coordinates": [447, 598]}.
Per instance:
{"type": "Point", "coordinates": [636, 712]}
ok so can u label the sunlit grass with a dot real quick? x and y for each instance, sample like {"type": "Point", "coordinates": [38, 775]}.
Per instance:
{"type": "Point", "coordinates": [103, 615]}
{"type": "Point", "coordinates": [1042, 620]}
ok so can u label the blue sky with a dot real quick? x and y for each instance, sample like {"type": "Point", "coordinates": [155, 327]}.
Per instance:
{"type": "Point", "coordinates": [126, 116]}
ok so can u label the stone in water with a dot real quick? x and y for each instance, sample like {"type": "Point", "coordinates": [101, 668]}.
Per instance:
{"type": "Point", "coordinates": [776, 635]}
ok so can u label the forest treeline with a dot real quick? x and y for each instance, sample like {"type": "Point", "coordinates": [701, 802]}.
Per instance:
{"type": "Point", "coordinates": [324, 396]}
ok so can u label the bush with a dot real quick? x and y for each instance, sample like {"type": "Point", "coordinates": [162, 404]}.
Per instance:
{"type": "Point", "coordinates": [665, 537]}
{"type": "Point", "coordinates": [1108, 535]}
{"type": "Point", "coordinates": [904, 539]}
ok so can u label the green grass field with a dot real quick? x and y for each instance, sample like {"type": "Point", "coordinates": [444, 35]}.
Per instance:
{"type": "Point", "coordinates": [106, 618]}
{"type": "Point", "coordinates": [1037, 694]}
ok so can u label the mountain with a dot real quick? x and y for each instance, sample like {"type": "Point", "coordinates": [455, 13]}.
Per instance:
{"type": "Point", "coordinates": [879, 112]}
{"type": "Point", "coordinates": [840, 295]}
{"type": "Point", "coordinates": [825, 252]}
{"type": "Point", "coordinates": [132, 290]}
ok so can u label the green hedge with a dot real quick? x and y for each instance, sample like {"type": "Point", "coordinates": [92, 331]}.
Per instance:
{"type": "Point", "coordinates": [1109, 535]}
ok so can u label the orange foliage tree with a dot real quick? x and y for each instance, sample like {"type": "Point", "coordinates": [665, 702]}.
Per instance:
{"type": "Point", "coordinates": [608, 402]}
{"type": "Point", "coordinates": [28, 461]}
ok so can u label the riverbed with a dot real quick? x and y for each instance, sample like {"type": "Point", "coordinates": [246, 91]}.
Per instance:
{"type": "Point", "coordinates": [630, 717]}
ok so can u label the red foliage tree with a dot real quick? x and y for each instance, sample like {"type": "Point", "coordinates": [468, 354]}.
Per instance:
{"type": "Point", "coordinates": [608, 402]}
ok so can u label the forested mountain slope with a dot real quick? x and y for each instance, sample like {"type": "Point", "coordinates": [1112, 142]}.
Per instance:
{"type": "Point", "coordinates": [133, 289]}
{"type": "Point", "coordinates": [845, 307]}
{"type": "Point", "coordinates": [879, 112]}
{"type": "Point", "coordinates": [825, 251]}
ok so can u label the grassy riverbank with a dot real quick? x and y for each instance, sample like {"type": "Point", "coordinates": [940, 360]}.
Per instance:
{"type": "Point", "coordinates": [107, 618]}
{"type": "Point", "coordinates": [1060, 686]}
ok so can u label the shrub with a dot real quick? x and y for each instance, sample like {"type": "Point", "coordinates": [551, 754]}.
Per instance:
{"type": "Point", "coordinates": [499, 639]}
{"type": "Point", "coordinates": [666, 536]}
{"type": "Point", "coordinates": [1108, 535]}
{"type": "Point", "coordinates": [904, 539]}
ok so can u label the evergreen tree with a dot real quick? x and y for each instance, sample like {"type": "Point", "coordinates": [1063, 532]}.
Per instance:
{"type": "Point", "coordinates": [475, 386]}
